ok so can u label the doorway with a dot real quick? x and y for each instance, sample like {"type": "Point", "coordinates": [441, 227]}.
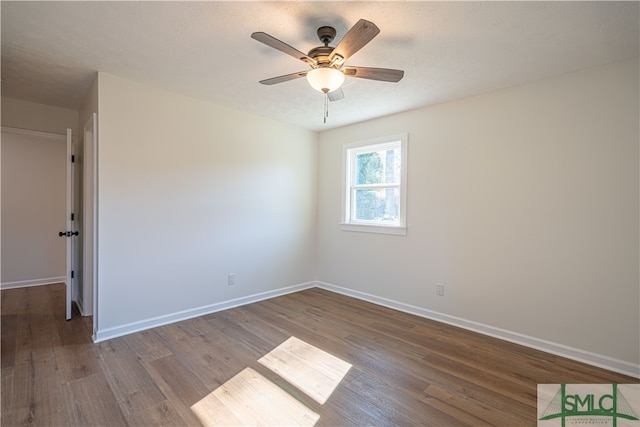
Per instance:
{"type": "Point", "coordinates": [33, 208]}
{"type": "Point", "coordinates": [41, 212]}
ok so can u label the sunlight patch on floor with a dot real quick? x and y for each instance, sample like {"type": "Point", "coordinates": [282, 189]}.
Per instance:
{"type": "Point", "coordinates": [313, 371]}
{"type": "Point", "coordinates": [251, 399]}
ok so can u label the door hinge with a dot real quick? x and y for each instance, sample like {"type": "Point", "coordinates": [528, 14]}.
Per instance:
{"type": "Point", "coordinates": [72, 217]}
{"type": "Point", "coordinates": [73, 158]}
{"type": "Point", "coordinates": [72, 274]}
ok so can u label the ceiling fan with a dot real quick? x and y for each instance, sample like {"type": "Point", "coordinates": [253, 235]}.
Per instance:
{"type": "Point", "coordinates": [328, 69]}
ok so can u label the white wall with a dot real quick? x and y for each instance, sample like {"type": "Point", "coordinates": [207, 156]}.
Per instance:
{"type": "Point", "coordinates": [39, 117]}
{"type": "Point", "coordinates": [33, 209]}
{"type": "Point", "coordinates": [190, 192]}
{"type": "Point", "coordinates": [523, 202]}
{"type": "Point", "coordinates": [90, 104]}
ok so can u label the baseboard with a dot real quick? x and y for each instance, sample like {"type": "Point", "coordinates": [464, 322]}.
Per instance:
{"type": "Point", "coordinates": [109, 333]}
{"type": "Point", "coordinates": [601, 361]}
{"type": "Point", "coordinates": [80, 307]}
{"type": "Point", "coordinates": [33, 282]}
{"type": "Point", "coordinates": [579, 355]}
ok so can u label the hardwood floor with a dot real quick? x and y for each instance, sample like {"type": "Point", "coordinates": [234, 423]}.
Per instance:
{"type": "Point", "coordinates": [405, 370]}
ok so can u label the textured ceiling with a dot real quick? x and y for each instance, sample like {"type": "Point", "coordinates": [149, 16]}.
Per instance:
{"type": "Point", "coordinates": [449, 50]}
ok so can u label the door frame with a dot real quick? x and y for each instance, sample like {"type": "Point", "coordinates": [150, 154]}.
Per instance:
{"type": "Point", "coordinates": [72, 247]}
{"type": "Point", "coordinates": [90, 219]}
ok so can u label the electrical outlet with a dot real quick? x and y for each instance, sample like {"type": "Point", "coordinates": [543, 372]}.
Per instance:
{"type": "Point", "coordinates": [440, 289]}
{"type": "Point", "coordinates": [231, 279]}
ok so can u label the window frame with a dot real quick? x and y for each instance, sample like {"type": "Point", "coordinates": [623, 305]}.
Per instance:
{"type": "Point", "coordinates": [350, 151]}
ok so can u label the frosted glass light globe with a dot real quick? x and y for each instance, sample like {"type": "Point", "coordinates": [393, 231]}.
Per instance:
{"type": "Point", "coordinates": [325, 79]}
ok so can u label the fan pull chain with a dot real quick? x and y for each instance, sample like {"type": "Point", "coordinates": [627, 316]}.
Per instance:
{"type": "Point", "coordinates": [326, 107]}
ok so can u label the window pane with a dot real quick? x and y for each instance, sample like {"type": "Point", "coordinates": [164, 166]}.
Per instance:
{"type": "Point", "coordinates": [377, 205]}
{"type": "Point", "coordinates": [378, 167]}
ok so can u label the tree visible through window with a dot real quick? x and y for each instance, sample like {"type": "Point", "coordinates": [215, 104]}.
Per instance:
{"type": "Point", "coordinates": [375, 183]}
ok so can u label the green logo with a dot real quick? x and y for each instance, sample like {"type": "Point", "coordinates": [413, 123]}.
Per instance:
{"type": "Point", "coordinates": [585, 404]}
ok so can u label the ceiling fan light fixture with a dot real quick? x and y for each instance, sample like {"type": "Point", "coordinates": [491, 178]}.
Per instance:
{"type": "Point", "coordinates": [325, 79]}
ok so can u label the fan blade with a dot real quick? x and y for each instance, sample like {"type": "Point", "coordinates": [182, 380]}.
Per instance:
{"type": "Point", "coordinates": [358, 36]}
{"type": "Point", "coordinates": [285, 78]}
{"type": "Point", "coordinates": [383, 74]}
{"type": "Point", "coordinates": [336, 95]}
{"type": "Point", "coordinates": [282, 47]}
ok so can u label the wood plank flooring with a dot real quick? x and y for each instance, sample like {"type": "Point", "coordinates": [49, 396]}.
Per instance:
{"type": "Point", "coordinates": [406, 370]}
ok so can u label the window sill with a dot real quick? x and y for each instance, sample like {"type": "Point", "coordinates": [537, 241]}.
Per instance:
{"type": "Point", "coordinates": [379, 229]}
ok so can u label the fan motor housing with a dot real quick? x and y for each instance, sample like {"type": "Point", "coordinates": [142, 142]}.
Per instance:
{"type": "Point", "coordinates": [321, 54]}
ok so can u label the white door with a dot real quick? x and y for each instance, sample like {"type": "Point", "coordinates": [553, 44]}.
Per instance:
{"type": "Point", "coordinates": [72, 232]}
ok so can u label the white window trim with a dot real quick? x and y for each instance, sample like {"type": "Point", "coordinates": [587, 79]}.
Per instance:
{"type": "Point", "coordinates": [346, 223]}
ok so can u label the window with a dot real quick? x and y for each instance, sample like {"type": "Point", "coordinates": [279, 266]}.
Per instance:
{"type": "Point", "coordinates": [375, 174]}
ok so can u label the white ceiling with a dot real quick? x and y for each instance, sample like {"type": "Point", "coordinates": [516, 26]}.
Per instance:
{"type": "Point", "coordinates": [449, 50]}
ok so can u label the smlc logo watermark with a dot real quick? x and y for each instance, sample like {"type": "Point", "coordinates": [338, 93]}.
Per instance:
{"type": "Point", "coordinates": [616, 405]}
